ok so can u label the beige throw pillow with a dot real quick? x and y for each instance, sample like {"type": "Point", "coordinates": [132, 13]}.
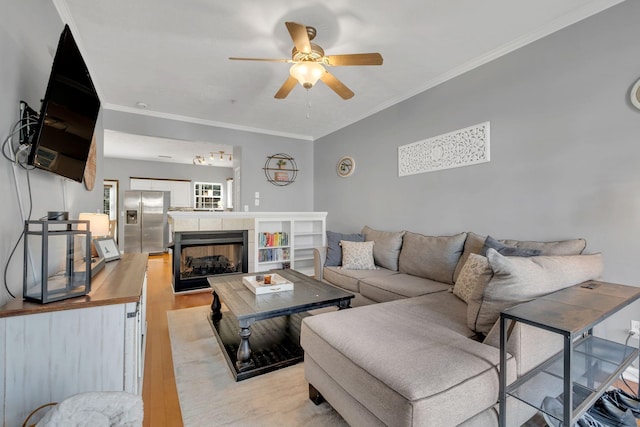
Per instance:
{"type": "Point", "coordinates": [517, 279]}
{"type": "Point", "coordinates": [476, 272]}
{"type": "Point", "coordinates": [357, 255]}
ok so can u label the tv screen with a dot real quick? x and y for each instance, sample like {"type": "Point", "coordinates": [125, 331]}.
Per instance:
{"type": "Point", "coordinates": [68, 115]}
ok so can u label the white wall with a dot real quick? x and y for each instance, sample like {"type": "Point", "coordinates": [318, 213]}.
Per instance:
{"type": "Point", "coordinates": [565, 150]}
{"type": "Point", "coordinates": [251, 149]}
{"type": "Point", "coordinates": [29, 29]}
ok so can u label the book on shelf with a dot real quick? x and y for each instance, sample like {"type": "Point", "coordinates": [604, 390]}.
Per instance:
{"type": "Point", "coordinates": [275, 254]}
{"type": "Point", "coordinates": [273, 239]}
{"type": "Point", "coordinates": [258, 287]}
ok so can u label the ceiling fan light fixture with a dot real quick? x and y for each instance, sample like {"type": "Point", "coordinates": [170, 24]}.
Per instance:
{"type": "Point", "coordinates": [307, 73]}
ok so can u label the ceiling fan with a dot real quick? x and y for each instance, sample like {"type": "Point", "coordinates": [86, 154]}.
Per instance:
{"type": "Point", "coordinates": [308, 61]}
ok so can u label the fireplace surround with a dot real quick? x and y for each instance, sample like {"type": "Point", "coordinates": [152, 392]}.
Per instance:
{"type": "Point", "coordinates": [197, 255]}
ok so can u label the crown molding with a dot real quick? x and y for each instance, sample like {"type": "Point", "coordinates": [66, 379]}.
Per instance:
{"type": "Point", "coordinates": [186, 119]}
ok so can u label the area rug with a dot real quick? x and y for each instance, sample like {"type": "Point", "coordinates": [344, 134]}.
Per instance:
{"type": "Point", "coordinates": [209, 396]}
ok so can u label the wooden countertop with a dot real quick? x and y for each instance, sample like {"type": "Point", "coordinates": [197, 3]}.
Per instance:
{"type": "Point", "coordinates": [119, 282]}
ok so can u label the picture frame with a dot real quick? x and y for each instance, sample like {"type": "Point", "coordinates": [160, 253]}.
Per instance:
{"type": "Point", "coordinates": [346, 166]}
{"type": "Point", "coordinates": [634, 95]}
{"type": "Point", "coordinates": [107, 248]}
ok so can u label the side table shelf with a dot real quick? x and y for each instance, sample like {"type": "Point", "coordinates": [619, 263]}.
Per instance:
{"type": "Point", "coordinates": [587, 365]}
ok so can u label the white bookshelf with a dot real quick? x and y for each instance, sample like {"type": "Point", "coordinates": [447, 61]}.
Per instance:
{"type": "Point", "coordinates": [289, 240]}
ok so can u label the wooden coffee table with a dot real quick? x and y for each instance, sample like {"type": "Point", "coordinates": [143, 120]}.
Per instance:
{"type": "Point", "coordinates": [272, 321]}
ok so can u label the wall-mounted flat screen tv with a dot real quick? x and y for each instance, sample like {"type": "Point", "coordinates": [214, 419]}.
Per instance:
{"type": "Point", "coordinates": [68, 115]}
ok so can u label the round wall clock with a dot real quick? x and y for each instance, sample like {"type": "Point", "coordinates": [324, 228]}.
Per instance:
{"type": "Point", "coordinates": [346, 165]}
{"type": "Point", "coordinates": [90, 168]}
{"type": "Point", "coordinates": [635, 95]}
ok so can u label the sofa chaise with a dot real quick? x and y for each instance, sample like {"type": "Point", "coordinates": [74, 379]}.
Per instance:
{"type": "Point", "coordinates": [421, 346]}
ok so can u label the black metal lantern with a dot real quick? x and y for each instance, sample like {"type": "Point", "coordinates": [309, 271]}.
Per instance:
{"type": "Point", "coordinates": [57, 257]}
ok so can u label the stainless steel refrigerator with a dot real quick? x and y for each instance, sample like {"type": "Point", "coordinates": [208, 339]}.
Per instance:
{"type": "Point", "coordinates": [145, 223]}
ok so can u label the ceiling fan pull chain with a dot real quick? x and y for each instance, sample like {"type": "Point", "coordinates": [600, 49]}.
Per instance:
{"type": "Point", "coordinates": [308, 106]}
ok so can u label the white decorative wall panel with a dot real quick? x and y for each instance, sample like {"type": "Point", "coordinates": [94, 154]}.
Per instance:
{"type": "Point", "coordinates": [463, 147]}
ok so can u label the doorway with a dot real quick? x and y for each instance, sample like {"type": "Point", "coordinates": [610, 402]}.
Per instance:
{"type": "Point", "coordinates": [110, 206]}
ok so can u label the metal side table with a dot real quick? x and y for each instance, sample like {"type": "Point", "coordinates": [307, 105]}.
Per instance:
{"type": "Point", "coordinates": [587, 365]}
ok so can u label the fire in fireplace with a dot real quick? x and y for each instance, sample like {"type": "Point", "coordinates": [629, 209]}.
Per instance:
{"type": "Point", "coordinates": [200, 254]}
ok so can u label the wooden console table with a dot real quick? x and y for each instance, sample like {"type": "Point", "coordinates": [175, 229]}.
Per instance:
{"type": "Point", "coordinates": [93, 342]}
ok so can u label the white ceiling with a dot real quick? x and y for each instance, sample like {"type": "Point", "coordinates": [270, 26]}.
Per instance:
{"type": "Point", "coordinates": [173, 55]}
{"type": "Point", "coordinates": [139, 147]}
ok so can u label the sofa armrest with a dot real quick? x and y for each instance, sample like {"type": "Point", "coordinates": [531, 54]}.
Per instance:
{"type": "Point", "coordinates": [529, 345]}
{"type": "Point", "coordinates": [319, 257]}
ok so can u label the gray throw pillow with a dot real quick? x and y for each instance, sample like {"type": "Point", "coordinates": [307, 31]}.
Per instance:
{"type": "Point", "coordinates": [334, 251]}
{"type": "Point", "coordinates": [521, 279]}
{"type": "Point", "coordinates": [507, 250]}
{"type": "Point", "coordinates": [387, 247]}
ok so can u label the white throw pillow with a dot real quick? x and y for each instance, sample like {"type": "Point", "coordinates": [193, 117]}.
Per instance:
{"type": "Point", "coordinates": [475, 272]}
{"type": "Point", "coordinates": [357, 255]}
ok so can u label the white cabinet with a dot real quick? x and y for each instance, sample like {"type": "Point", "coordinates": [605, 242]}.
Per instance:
{"type": "Point", "coordinates": [288, 242]}
{"type": "Point", "coordinates": [50, 354]}
{"type": "Point", "coordinates": [180, 190]}
{"type": "Point", "coordinates": [208, 196]}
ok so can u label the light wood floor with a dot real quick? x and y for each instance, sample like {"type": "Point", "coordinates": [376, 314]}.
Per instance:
{"type": "Point", "coordinates": [161, 407]}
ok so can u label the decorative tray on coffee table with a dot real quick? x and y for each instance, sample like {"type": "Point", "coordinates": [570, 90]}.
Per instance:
{"type": "Point", "coordinates": [258, 287]}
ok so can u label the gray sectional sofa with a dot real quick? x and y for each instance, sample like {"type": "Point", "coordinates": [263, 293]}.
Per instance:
{"type": "Point", "coordinates": [420, 347]}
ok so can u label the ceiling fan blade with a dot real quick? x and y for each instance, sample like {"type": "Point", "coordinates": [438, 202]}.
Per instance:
{"type": "Point", "coordinates": [287, 87]}
{"type": "Point", "coordinates": [354, 59]}
{"type": "Point", "coordinates": [336, 85]}
{"type": "Point", "coordinates": [260, 59]}
{"type": "Point", "coordinates": [299, 36]}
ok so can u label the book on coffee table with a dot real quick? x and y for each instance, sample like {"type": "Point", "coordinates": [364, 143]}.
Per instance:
{"type": "Point", "coordinates": [258, 287]}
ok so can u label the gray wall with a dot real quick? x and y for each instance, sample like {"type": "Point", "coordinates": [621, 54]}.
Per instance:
{"type": "Point", "coordinates": [251, 148]}
{"type": "Point", "coordinates": [565, 150]}
{"type": "Point", "coordinates": [123, 169]}
{"type": "Point", "coordinates": [28, 30]}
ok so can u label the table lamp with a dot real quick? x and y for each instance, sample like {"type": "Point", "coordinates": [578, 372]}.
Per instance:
{"type": "Point", "coordinates": [99, 227]}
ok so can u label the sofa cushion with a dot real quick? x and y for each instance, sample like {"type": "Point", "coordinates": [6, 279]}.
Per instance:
{"type": "Point", "coordinates": [431, 257]}
{"type": "Point", "coordinates": [475, 273]}
{"type": "Point", "coordinates": [397, 286]}
{"type": "Point", "coordinates": [505, 249]}
{"type": "Point", "coordinates": [387, 248]}
{"type": "Point", "coordinates": [334, 250]}
{"type": "Point", "coordinates": [517, 279]}
{"type": "Point", "coordinates": [475, 242]}
{"type": "Point", "coordinates": [350, 279]}
{"type": "Point", "coordinates": [419, 375]}
{"type": "Point", "coordinates": [357, 255]}
{"type": "Point", "coordinates": [561, 247]}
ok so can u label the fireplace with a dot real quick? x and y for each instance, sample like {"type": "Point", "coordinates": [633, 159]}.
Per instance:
{"type": "Point", "coordinates": [200, 254]}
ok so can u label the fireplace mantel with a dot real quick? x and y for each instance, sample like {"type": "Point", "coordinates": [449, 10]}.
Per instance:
{"type": "Point", "coordinates": [305, 229]}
